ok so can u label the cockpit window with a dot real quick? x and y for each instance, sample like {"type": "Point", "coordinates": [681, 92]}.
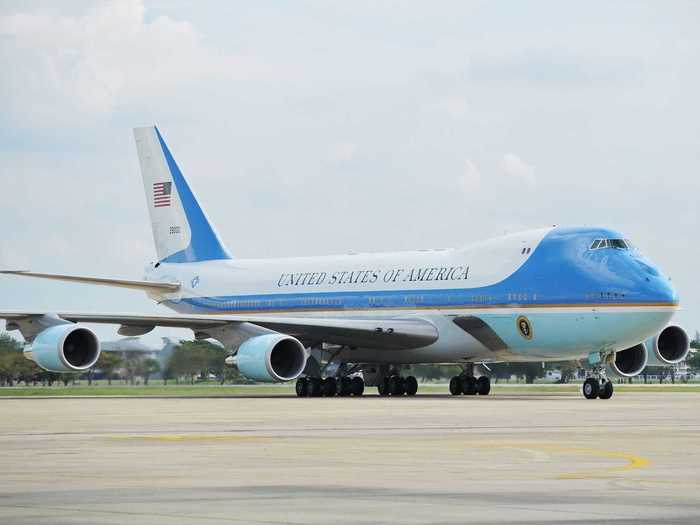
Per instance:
{"type": "Point", "coordinates": [620, 244]}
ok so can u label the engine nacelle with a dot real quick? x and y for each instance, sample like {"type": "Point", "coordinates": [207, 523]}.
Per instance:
{"type": "Point", "coordinates": [629, 362]}
{"type": "Point", "coordinates": [64, 348]}
{"type": "Point", "coordinates": [271, 357]}
{"type": "Point", "coordinates": [671, 346]}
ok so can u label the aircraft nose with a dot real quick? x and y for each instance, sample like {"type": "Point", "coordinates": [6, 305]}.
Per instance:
{"type": "Point", "coordinates": [659, 288]}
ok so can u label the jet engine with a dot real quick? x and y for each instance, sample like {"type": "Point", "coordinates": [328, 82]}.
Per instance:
{"type": "Point", "coordinates": [64, 348]}
{"type": "Point", "coordinates": [671, 345]}
{"type": "Point", "coordinates": [271, 357]}
{"type": "Point", "coordinates": [629, 362]}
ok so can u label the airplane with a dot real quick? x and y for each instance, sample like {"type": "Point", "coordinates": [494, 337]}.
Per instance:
{"type": "Point", "coordinates": [336, 324]}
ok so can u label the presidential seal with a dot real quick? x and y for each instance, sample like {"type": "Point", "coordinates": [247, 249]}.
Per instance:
{"type": "Point", "coordinates": [524, 327]}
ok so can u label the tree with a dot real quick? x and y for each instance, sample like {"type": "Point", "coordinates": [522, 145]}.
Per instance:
{"type": "Point", "coordinates": [197, 359]}
{"type": "Point", "coordinates": [108, 363]}
{"type": "Point", "coordinates": [149, 366]}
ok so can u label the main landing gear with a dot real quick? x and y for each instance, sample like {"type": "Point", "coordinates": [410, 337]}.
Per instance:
{"type": "Point", "coordinates": [597, 385]}
{"type": "Point", "coordinates": [470, 385]}
{"type": "Point", "coordinates": [330, 386]}
{"type": "Point", "coordinates": [395, 385]}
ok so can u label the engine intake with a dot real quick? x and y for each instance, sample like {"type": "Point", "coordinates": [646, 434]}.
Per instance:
{"type": "Point", "coordinates": [65, 348]}
{"type": "Point", "coordinates": [671, 345]}
{"type": "Point", "coordinates": [629, 362]}
{"type": "Point", "coordinates": [271, 357]}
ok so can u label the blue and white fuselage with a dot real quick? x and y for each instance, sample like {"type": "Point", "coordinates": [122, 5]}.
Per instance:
{"type": "Point", "coordinates": [578, 300]}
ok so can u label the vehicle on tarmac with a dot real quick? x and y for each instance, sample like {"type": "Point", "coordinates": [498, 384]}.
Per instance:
{"type": "Point", "coordinates": [336, 324]}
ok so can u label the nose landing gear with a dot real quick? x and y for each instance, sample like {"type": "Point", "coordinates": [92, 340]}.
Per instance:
{"type": "Point", "coordinates": [597, 385]}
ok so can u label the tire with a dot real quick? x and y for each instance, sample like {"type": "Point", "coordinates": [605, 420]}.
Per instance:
{"type": "Point", "coordinates": [607, 391]}
{"type": "Point", "coordinates": [483, 386]}
{"type": "Point", "coordinates": [468, 385]}
{"type": "Point", "coordinates": [313, 387]}
{"type": "Point", "coordinates": [344, 386]}
{"type": "Point", "coordinates": [411, 386]}
{"type": "Point", "coordinates": [455, 386]}
{"type": "Point", "coordinates": [301, 387]}
{"type": "Point", "coordinates": [396, 387]}
{"type": "Point", "coordinates": [328, 387]}
{"type": "Point", "coordinates": [357, 386]}
{"type": "Point", "coordinates": [590, 388]}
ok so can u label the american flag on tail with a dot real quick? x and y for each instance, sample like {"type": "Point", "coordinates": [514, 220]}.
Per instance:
{"type": "Point", "coordinates": [161, 194]}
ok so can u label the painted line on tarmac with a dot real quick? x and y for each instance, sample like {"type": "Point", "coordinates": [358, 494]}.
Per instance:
{"type": "Point", "coordinates": [633, 461]}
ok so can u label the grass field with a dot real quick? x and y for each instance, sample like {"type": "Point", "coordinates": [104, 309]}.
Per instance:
{"type": "Point", "coordinates": [215, 390]}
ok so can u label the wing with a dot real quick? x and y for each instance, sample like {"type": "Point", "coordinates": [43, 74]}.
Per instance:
{"type": "Point", "coordinates": [119, 283]}
{"type": "Point", "coordinates": [385, 334]}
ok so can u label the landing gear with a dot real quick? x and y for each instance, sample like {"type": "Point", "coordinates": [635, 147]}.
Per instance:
{"type": "Point", "coordinates": [395, 385]}
{"type": "Point", "coordinates": [470, 385]}
{"type": "Point", "coordinates": [411, 386]}
{"type": "Point", "coordinates": [329, 386]}
{"type": "Point", "coordinates": [591, 388]}
{"type": "Point", "coordinates": [607, 391]}
{"type": "Point", "coordinates": [483, 386]}
{"type": "Point", "coordinates": [597, 385]}
{"type": "Point", "coordinates": [357, 386]}
{"type": "Point", "coordinates": [301, 387]}
{"type": "Point", "coordinates": [455, 386]}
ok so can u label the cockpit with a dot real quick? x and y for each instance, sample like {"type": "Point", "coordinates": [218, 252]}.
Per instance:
{"type": "Point", "coordinates": [619, 244]}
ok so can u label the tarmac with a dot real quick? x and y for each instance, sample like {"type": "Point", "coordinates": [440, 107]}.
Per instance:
{"type": "Point", "coordinates": [505, 458]}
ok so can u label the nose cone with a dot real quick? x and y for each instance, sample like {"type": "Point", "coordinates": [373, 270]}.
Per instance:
{"type": "Point", "coordinates": [656, 286]}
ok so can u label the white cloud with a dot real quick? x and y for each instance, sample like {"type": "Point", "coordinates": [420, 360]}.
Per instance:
{"type": "Point", "coordinates": [514, 166]}
{"type": "Point", "coordinates": [69, 69]}
{"type": "Point", "coordinates": [470, 178]}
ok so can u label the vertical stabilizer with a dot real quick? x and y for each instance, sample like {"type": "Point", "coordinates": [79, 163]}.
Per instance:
{"type": "Point", "coordinates": [181, 230]}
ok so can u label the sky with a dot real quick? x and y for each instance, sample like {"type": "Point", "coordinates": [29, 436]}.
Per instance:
{"type": "Point", "coordinates": [310, 128]}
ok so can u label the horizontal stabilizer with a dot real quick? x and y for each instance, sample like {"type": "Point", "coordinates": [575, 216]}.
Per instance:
{"type": "Point", "coordinates": [120, 283]}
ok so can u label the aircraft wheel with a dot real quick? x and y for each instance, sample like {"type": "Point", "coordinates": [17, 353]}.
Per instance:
{"type": "Point", "coordinates": [328, 387]}
{"type": "Point", "coordinates": [483, 386]}
{"type": "Point", "coordinates": [357, 386]}
{"type": "Point", "coordinates": [313, 387]}
{"type": "Point", "coordinates": [396, 387]}
{"type": "Point", "coordinates": [411, 385]}
{"type": "Point", "coordinates": [301, 387]}
{"type": "Point", "coordinates": [468, 385]}
{"type": "Point", "coordinates": [607, 391]}
{"type": "Point", "coordinates": [344, 386]}
{"type": "Point", "coordinates": [455, 386]}
{"type": "Point", "coordinates": [590, 388]}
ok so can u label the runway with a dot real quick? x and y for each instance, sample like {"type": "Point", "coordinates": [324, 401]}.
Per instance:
{"type": "Point", "coordinates": [540, 458]}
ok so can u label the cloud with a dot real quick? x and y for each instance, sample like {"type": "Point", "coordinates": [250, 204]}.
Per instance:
{"type": "Point", "coordinates": [470, 179]}
{"type": "Point", "coordinates": [69, 69]}
{"type": "Point", "coordinates": [514, 166]}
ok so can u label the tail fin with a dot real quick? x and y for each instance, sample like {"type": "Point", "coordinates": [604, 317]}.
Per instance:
{"type": "Point", "coordinates": [181, 230]}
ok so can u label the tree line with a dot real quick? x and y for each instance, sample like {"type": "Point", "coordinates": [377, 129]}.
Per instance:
{"type": "Point", "coordinates": [189, 362]}
{"type": "Point", "coordinates": [192, 361]}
